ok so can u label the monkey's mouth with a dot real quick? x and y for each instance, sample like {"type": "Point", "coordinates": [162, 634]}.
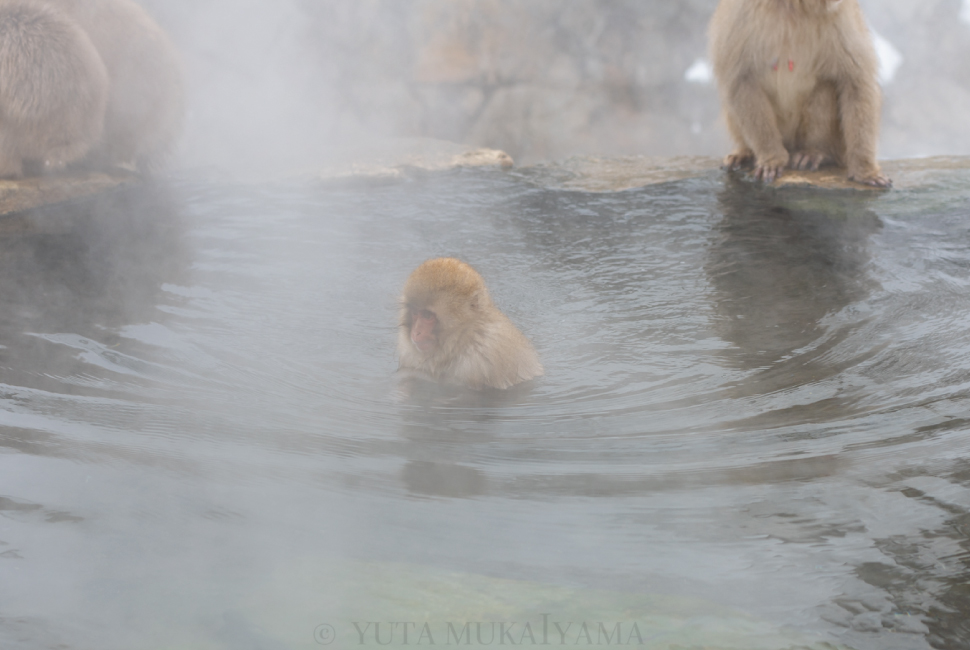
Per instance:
{"type": "Point", "coordinates": [424, 345]}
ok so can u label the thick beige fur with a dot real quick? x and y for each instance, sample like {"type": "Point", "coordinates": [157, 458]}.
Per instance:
{"type": "Point", "coordinates": [145, 104]}
{"type": "Point", "coordinates": [53, 89]}
{"type": "Point", "coordinates": [798, 85]}
{"type": "Point", "coordinates": [477, 345]}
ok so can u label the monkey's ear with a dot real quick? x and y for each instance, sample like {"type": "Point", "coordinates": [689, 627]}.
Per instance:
{"type": "Point", "coordinates": [478, 300]}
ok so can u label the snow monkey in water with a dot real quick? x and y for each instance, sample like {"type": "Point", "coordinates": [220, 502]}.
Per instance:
{"type": "Point", "coordinates": [450, 331]}
{"type": "Point", "coordinates": [798, 85]}
{"type": "Point", "coordinates": [145, 104]}
{"type": "Point", "coordinates": [53, 89]}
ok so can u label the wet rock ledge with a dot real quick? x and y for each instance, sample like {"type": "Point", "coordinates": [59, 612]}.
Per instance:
{"type": "Point", "coordinates": [596, 174]}
{"type": "Point", "coordinates": [31, 205]}
{"type": "Point", "coordinates": [22, 200]}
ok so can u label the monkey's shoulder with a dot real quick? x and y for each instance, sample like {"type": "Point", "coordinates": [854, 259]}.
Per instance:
{"type": "Point", "coordinates": [499, 356]}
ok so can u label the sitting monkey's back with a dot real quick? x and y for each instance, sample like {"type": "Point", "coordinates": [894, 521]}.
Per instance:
{"type": "Point", "coordinates": [53, 89]}
{"type": "Point", "coordinates": [145, 102]}
{"type": "Point", "coordinates": [96, 82]}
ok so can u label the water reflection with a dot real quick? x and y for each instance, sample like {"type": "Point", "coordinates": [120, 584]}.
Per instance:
{"type": "Point", "coordinates": [70, 280]}
{"type": "Point", "coordinates": [444, 429]}
{"type": "Point", "coordinates": [96, 261]}
{"type": "Point", "coordinates": [780, 261]}
{"type": "Point", "coordinates": [436, 445]}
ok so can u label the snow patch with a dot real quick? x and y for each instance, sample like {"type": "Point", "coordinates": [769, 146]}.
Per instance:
{"type": "Point", "coordinates": [701, 72]}
{"type": "Point", "coordinates": [889, 58]}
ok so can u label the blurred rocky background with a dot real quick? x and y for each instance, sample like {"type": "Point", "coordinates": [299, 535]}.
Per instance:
{"type": "Point", "coordinates": [540, 79]}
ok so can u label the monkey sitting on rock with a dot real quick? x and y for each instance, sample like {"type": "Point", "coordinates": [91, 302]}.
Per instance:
{"type": "Point", "coordinates": [798, 86]}
{"type": "Point", "coordinates": [92, 82]}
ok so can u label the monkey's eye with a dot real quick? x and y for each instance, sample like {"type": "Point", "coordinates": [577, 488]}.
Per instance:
{"type": "Point", "coordinates": [426, 314]}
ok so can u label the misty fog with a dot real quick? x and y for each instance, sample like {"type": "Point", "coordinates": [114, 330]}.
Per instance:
{"type": "Point", "coordinates": [752, 431]}
{"type": "Point", "coordinates": [294, 83]}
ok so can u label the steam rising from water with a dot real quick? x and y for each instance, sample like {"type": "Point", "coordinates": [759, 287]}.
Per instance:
{"type": "Point", "coordinates": [756, 402]}
{"type": "Point", "coordinates": [254, 84]}
{"type": "Point", "coordinates": [286, 84]}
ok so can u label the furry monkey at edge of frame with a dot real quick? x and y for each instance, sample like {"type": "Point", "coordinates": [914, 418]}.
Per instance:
{"type": "Point", "coordinates": [798, 86]}
{"type": "Point", "coordinates": [450, 331]}
{"type": "Point", "coordinates": [53, 89]}
{"type": "Point", "coordinates": [145, 107]}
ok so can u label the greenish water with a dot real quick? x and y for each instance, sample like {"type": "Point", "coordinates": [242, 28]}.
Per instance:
{"type": "Point", "coordinates": [753, 432]}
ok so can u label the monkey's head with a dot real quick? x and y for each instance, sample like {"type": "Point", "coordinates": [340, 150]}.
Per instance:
{"type": "Point", "coordinates": [442, 298]}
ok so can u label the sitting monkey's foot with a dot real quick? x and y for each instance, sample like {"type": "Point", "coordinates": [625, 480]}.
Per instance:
{"type": "Point", "coordinates": [875, 179]}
